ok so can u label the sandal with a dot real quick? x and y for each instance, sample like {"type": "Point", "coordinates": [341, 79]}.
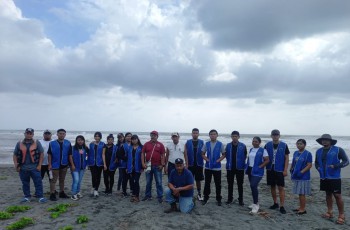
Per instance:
{"type": "Point", "coordinates": [327, 215]}
{"type": "Point", "coordinates": [340, 220]}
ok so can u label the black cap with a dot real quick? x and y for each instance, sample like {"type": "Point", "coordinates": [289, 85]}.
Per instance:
{"type": "Point", "coordinates": [29, 130]}
{"type": "Point", "coordinates": [179, 161]}
{"type": "Point", "coordinates": [235, 133]}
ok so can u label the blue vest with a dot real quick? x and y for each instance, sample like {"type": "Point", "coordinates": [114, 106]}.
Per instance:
{"type": "Point", "coordinates": [138, 164]}
{"type": "Point", "coordinates": [77, 159]}
{"type": "Point", "coordinates": [258, 160]}
{"type": "Point", "coordinates": [113, 166]}
{"type": "Point", "coordinates": [280, 156]}
{"type": "Point", "coordinates": [213, 157]}
{"type": "Point", "coordinates": [122, 163]}
{"type": "Point", "coordinates": [92, 154]}
{"type": "Point", "coordinates": [332, 159]}
{"type": "Point", "coordinates": [56, 153]}
{"type": "Point", "coordinates": [299, 165]}
{"type": "Point", "coordinates": [240, 157]}
{"type": "Point", "coordinates": [190, 153]}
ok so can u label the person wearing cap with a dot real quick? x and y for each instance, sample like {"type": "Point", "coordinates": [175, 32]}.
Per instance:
{"type": "Point", "coordinates": [59, 157]}
{"type": "Point", "coordinates": [213, 152]}
{"type": "Point", "coordinates": [45, 142]}
{"type": "Point", "coordinates": [173, 151]}
{"type": "Point", "coordinates": [153, 153]}
{"type": "Point", "coordinates": [27, 159]}
{"type": "Point", "coordinates": [180, 188]}
{"type": "Point", "coordinates": [194, 160]}
{"type": "Point", "coordinates": [329, 161]}
{"type": "Point", "coordinates": [236, 155]}
{"type": "Point", "coordinates": [277, 168]}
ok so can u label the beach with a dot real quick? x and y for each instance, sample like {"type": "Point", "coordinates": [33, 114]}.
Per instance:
{"type": "Point", "coordinates": [115, 212]}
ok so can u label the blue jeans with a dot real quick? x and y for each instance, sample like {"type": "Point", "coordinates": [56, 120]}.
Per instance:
{"type": "Point", "coordinates": [254, 182]}
{"type": "Point", "coordinates": [77, 177]}
{"type": "Point", "coordinates": [158, 177]}
{"type": "Point", "coordinates": [186, 203]}
{"type": "Point", "coordinates": [38, 183]}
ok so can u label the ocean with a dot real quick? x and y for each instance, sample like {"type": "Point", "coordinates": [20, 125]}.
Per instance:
{"type": "Point", "coordinates": [9, 138]}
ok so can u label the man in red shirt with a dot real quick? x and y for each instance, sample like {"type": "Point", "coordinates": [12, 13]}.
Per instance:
{"type": "Point", "coordinates": [153, 161]}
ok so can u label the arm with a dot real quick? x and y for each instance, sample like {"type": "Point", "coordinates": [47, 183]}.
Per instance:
{"type": "Point", "coordinates": [286, 163]}
{"type": "Point", "coordinates": [17, 167]}
{"type": "Point", "coordinates": [185, 156]}
{"type": "Point", "coordinates": [176, 191]}
{"type": "Point", "coordinates": [204, 156]}
{"type": "Point", "coordinates": [307, 168]}
{"type": "Point", "coordinates": [49, 158]}
{"type": "Point", "coordinates": [166, 160]}
{"type": "Point", "coordinates": [41, 158]}
{"type": "Point", "coordinates": [71, 162]}
{"type": "Point", "coordinates": [344, 159]}
{"type": "Point", "coordinates": [266, 161]}
{"type": "Point", "coordinates": [221, 158]}
{"type": "Point", "coordinates": [162, 160]}
{"type": "Point", "coordinates": [104, 159]}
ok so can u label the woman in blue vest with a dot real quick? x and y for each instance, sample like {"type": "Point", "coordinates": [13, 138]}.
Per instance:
{"type": "Point", "coordinates": [95, 162]}
{"type": "Point", "coordinates": [122, 156]}
{"type": "Point", "coordinates": [258, 158]}
{"type": "Point", "coordinates": [134, 167]}
{"type": "Point", "coordinates": [300, 174]}
{"type": "Point", "coordinates": [110, 165]}
{"type": "Point", "coordinates": [79, 153]}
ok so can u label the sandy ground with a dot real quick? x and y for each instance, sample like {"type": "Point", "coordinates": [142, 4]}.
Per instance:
{"type": "Point", "coordinates": [115, 212]}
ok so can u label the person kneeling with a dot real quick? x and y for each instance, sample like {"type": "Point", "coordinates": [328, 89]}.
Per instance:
{"type": "Point", "coordinates": [180, 189]}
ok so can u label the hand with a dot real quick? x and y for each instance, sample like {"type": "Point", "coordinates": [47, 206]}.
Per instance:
{"type": "Point", "coordinates": [300, 174]}
{"type": "Point", "coordinates": [285, 173]}
{"type": "Point", "coordinates": [217, 161]}
{"type": "Point", "coordinates": [160, 167]}
{"type": "Point", "coordinates": [72, 168]}
{"type": "Point", "coordinates": [331, 166]}
{"type": "Point", "coordinates": [38, 168]}
{"type": "Point", "coordinates": [105, 167]}
{"type": "Point", "coordinates": [49, 167]}
{"type": "Point", "coordinates": [18, 168]}
{"type": "Point", "coordinates": [165, 170]}
{"type": "Point", "coordinates": [176, 192]}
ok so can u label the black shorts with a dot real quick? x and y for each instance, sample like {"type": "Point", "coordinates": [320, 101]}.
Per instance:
{"type": "Point", "coordinates": [197, 172]}
{"type": "Point", "coordinates": [274, 178]}
{"type": "Point", "coordinates": [331, 186]}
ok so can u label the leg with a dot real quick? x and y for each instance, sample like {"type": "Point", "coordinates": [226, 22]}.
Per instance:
{"type": "Point", "coordinates": [340, 204]}
{"type": "Point", "coordinates": [159, 184]}
{"type": "Point", "coordinates": [55, 174]}
{"type": "Point", "coordinates": [169, 198]}
{"type": "Point", "coordinates": [25, 178]}
{"type": "Point", "coordinates": [62, 177]}
{"type": "Point", "coordinates": [98, 176]}
{"type": "Point", "coordinates": [136, 189]}
{"type": "Point", "coordinates": [207, 177]}
{"type": "Point", "coordinates": [217, 181]}
{"type": "Point", "coordinates": [254, 182]}
{"type": "Point", "coordinates": [111, 181]}
{"type": "Point", "coordinates": [282, 195]}
{"type": "Point", "coordinates": [75, 177]}
{"type": "Point", "coordinates": [120, 179]}
{"type": "Point", "coordinates": [302, 201]}
{"type": "Point", "coordinates": [273, 193]}
{"type": "Point", "coordinates": [44, 169]}
{"type": "Point", "coordinates": [38, 182]}
{"type": "Point", "coordinates": [240, 181]}
{"type": "Point", "coordinates": [125, 181]}
{"type": "Point", "coordinates": [106, 180]}
{"type": "Point", "coordinates": [186, 204]}
{"type": "Point", "coordinates": [81, 175]}
{"type": "Point", "coordinates": [230, 180]}
{"type": "Point", "coordinates": [149, 178]}
{"type": "Point", "coordinates": [329, 201]}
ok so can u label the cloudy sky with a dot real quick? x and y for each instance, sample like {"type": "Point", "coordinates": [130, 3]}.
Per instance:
{"type": "Point", "coordinates": [172, 65]}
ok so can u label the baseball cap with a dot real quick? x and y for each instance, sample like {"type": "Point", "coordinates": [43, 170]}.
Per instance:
{"type": "Point", "coordinates": [29, 130]}
{"type": "Point", "coordinates": [275, 132]}
{"type": "Point", "coordinates": [154, 132]}
{"type": "Point", "coordinates": [179, 161]}
{"type": "Point", "coordinates": [175, 134]}
{"type": "Point", "coordinates": [47, 131]}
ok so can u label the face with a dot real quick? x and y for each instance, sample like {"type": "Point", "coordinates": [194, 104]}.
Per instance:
{"type": "Point", "coordinates": [300, 145]}
{"type": "Point", "coordinates": [154, 137]}
{"type": "Point", "coordinates": [213, 136]}
{"type": "Point", "coordinates": [28, 135]}
{"type": "Point", "coordinates": [110, 141]}
{"type": "Point", "coordinates": [97, 138]}
{"type": "Point", "coordinates": [175, 139]}
{"type": "Point", "coordinates": [326, 142]}
{"type": "Point", "coordinates": [134, 141]}
{"type": "Point", "coordinates": [80, 141]}
{"type": "Point", "coordinates": [179, 167]}
{"type": "Point", "coordinates": [61, 135]}
{"type": "Point", "coordinates": [128, 138]}
{"type": "Point", "coordinates": [275, 137]}
{"type": "Point", "coordinates": [255, 143]}
{"type": "Point", "coordinates": [234, 138]}
{"type": "Point", "coordinates": [120, 138]}
{"type": "Point", "coordinates": [195, 135]}
{"type": "Point", "coordinates": [47, 136]}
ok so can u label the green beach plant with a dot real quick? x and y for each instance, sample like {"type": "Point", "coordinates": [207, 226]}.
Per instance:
{"type": "Point", "coordinates": [82, 219]}
{"type": "Point", "coordinates": [21, 223]}
{"type": "Point", "coordinates": [5, 215]}
{"type": "Point", "coordinates": [68, 227]}
{"type": "Point", "coordinates": [17, 208]}
{"type": "Point", "coordinates": [58, 210]}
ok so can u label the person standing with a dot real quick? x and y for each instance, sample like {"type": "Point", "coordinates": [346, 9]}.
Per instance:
{"type": "Point", "coordinates": [213, 152]}
{"type": "Point", "coordinates": [300, 174]}
{"type": "Point", "coordinates": [257, 160]}
{"type": "Point", "coordinates": [45, 143]}
{"type": "Point", "coordinates": [27, 159]}
{"type": "Point", "coordinates": [180, 188]}
{"type": "Point", "coordinates": [122, 156]}
{"type": "Point", "coordinates": [59, 156]}
{"type": "Point", "coordinates": [236, 155]}
{"type": "Point", "coordinates": [134, 167]}
{"type": "Point", "coordinates": [79, 153]}
{"type": "Point", "coordinates": [173, 151]}
{"type": "Point", "coordinates": [277, 168]}
{"type": "Point", "coordinates": [329, 161]}
{"type": "Point", "coordinates": [110, 166]}
{"type": "Point", "coordinates": [119, 144]}
{"type": "Point", "coordinates": [153, 156]}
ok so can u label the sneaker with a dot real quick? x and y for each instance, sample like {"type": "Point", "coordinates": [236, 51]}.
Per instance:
{"type": "Point", "coordinates": [136, 199]}
{"type": "Point", "coordinates": [199, 197]}
{"type": "Point", "coordinates": [79, 195]}
{"type": "Point", "coordinates": [251, 206]}
{"type": "Point", "coordinates": [228, 202]}
{"type": "Point", "coordinates": [282, 210]}
{"type": "Point", "coordinates": [172, 208]}
{"type": "Point", "coordinates": [125, 195]}
{"type": "Point", "coordinates": [74, 197]}
{"type": "Point", "coordinates": [146, 198]}
{"type": "Point", "coordinates": [204, 202]}
{"type": "Point", "coordinates": [240, 202]}
{"type": "Point", "coordinates": [274, 206]}
{"type": "Point", "coordinates": [95, 193]}
{"type": "Point", "coordinates": [92, 192]}
{"type": "Point", "coordinates": [160, 200]}
{"type": "Point", "coordinates": [255, 209]}
{"type": "Point", "coordinates": [63, 195]}
{"type": "Point", "coordinates": [219, 203]}
{"type": "Point", "coordinates": [53, 197]}
{"type": "Point", "coordinates": [42, 200]}
{"type": "Point", "coordinates": [25, 200]}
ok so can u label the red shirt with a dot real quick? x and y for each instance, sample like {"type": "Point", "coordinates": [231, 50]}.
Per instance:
{"type": "Point", "coordinates": [157, 152]}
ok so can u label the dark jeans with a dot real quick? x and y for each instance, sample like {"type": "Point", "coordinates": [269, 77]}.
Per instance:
{"type": "Point", "coordinates": [38, 183]}
{"type": "Point", "coordinates": [171, 166]}
{"type": "Point", "coordinates": [120, 178]}
{"type": "Point", "coordinates": [230, 181]}
{"type": "Point", "coordinates": [45, 169]}
{"type": "Point", "coordinates": [125, 176]}
{"type": "Point", "coordinates": [254, 182]}
{"type": "Point", "coordinates": [135, 183]}
{"type": "Point", "coordinates": [108, 177]}
{"type": "Point", "coordinates": [217, 180]}
{"type": "Point", "coordinates": [96, 176]}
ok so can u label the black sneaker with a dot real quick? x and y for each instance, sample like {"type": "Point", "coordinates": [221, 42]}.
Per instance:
{"type": "Point", "coordinates": [204, 202]}
{"type": "Point", "coordinates": [282, 210]}
{"type": "Point", "coordinates": [53, 197]}
{"type": "Point", "coordinates": [228, 202]}
{"type": "Point", "coordinates": [274, 206]}
{"type": "Point", "coordinates": [241, 203]}
{"type": "Point", "coordinates": [63, 195]}
{"type": "Point", "coordinates": [219, 203]}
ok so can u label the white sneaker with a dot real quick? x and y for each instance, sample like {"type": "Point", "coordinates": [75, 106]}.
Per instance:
{"type": "Point", "coordinates": [251, 206]}
{"type": "Point", "coordinates": [79, 195]}
{"type": "Point", "coordinates": [199, 197]}
{"type": "Point", "coordinates": [255, 209]}
{"type": "Point", "coordinates": [74, 197]}
{"type": "Point", "coordinates": [95, 193]}
{"type": "Point", "coordinates": [92, 192]}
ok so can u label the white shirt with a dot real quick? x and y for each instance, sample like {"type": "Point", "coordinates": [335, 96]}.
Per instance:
{"type": "Point", "coordinates": [175, 151]}
{"type": "Point", "coordinates": [45, 145]}
{"type": "Point", "coordinates": [252, 155]}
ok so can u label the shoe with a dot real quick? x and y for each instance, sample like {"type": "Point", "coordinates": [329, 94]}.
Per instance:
{"type": "Point", "coordinates": [53, 197]}
{"type": "Point", "coordinates": [63, 195]}
{"type": "Point", "coordinates": [92, 192]}
{"type": "Point", "coordinates": [160, 200]}
{"type": "Point", "coordinates": [240, 202]}
{"type": "Point", "coordinates": [95, 193]}
{"type": "Point", "coordinates": [172, 208]}
{"type": "Point", "coordinates": [219, 203]}
{"type": "Point", "coordinates": [125, 195]}
{"type": "Point", "coordinates": [146, 198]}
{"type": "Point", "coordinates": [79, 195]}
{"type": "Point", "coordinates": [274, 206]}
{"type": "Point", "coordinates": [199, 197]}
{"type": "Point", "coordinates": [204, 202]}
{"type": "Point", "coordinates": [42, 200]}
{"type": "Point", "coordinates": [25, 200]}
{"type": "Point", "coordinates": [251, 206]}
{"type": "Point", "coordinates": [295, 210]}
{"type": "Point", "coordinates": [74, 197]}
{"type": "Point", "coordinates": [282, 210]}
{"type": "Point", "coordinates": [136, 199]}
{"type": "Point", "coordinates": [301, 213]}
{"type": "Point", "coordinates": [255, 209]}
{"type": "Point", "coordinates": [228, 202]}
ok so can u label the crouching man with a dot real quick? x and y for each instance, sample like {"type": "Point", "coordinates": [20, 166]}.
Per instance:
{"type": "Point", "coordinates": [180, 189]}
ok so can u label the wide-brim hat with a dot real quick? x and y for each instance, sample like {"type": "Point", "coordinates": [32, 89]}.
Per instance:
{"type": "Point", "coordinates": [326, 137]}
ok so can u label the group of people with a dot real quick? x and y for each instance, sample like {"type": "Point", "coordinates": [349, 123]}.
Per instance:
{"type": "Point", "coordinates": [186, 166]}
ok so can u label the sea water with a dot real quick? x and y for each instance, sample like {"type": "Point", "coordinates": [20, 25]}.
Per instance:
{"type": "Point", "coordinates": [9, 138]}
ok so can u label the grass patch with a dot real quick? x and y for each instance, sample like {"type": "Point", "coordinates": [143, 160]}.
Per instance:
{"type": "Point", "coordinates": [3, 177]}
{"type": "Point", "coordinates": [21, 223]}
{"type": "Point", "coordinates": [58, 210]}
{"type": "Point", "coordinates": [17, 208]}
{"type": "Point", "coordinates": [5, 215]}
{"type": "Point", "coordinates": [68, 227]}
{"type": "Point", "coordinates": [82, 219]}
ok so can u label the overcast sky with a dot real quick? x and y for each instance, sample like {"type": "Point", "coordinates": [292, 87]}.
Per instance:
{"type": "Point", "coordinates": [141, 65]}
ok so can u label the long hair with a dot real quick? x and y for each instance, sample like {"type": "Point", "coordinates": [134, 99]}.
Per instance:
{"type": "Point", "coordinates": [133, 137]}
{"type": "Point", "coordinates": [84, 144]}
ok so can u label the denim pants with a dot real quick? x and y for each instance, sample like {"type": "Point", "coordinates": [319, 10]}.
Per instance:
{"type": "Point", "coordinates": [77, 177]}
{"type": "Point", "coordinates": [254, 182]}
{"type": "Point", "coordinates": [135, 183]}
{"type": "Point", "coordinates": [38, 183]}
{"type": "Point", "coordinates": [186, 203]}
{"type": "Point", "coordinates": [158, 177]}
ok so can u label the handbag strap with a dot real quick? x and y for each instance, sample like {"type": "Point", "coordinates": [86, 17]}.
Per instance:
{"type": "Point", "coordinates": [152, 152]}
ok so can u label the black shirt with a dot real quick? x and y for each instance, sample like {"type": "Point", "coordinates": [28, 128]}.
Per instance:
{"type": "Point", "coordinates": [195, 149]}
{"type": "Point", "coordinates": [108, 155]}
{"type": "Point", "coordinates": [234, 155]}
